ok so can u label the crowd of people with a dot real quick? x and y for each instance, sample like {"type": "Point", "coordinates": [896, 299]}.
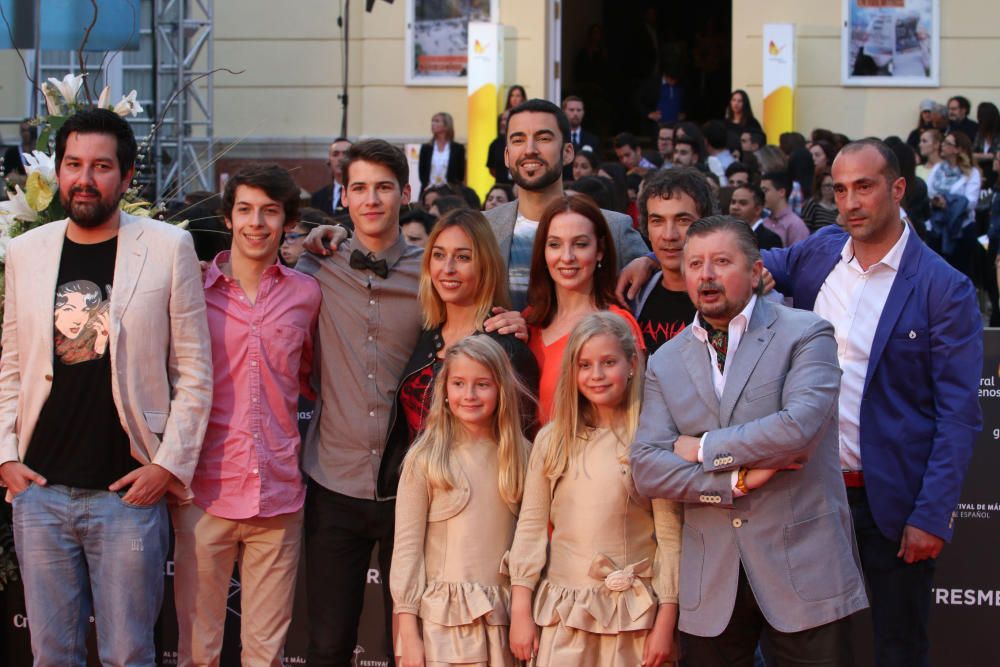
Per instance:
{"type": "Point", "coordinates": [580, 422]}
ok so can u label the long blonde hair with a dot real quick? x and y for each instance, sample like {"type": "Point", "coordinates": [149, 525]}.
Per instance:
{"type": "Point", "coordinates": [432, 450]}
{"type": "Point", "coordinates": [486, 258]}
{"type": "Point", "coordinates": [572, 414]}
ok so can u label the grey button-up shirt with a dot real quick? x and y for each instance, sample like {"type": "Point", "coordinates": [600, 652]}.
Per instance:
{"type": "Point", "coordinates": [368, 327]}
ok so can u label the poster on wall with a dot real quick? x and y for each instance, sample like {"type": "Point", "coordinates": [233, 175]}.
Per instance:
{"type": "Point", "coordinates": [437, 39]}
{"type": "Point", "coordinates": [890, 43]}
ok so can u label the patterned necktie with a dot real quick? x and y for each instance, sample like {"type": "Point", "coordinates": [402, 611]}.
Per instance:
{"type": "Point", "coordinates": [720, 341]}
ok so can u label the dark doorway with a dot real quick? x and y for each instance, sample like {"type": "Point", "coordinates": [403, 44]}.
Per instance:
{"type": "Point", "coordinates": [615, 51]}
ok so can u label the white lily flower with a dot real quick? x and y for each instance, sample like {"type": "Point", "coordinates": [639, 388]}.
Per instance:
{"type": "Point", "coordinates": [128, 105]}
{"type": "Point", "coordinates": [68, 87]}
{"type": "Point", "coordinates": [18, 207]}
{"type": "Point", "coordinates": [6, 221]}
{"type": "Point", "coordinates": [51, 94]}
{"type": "Point", "coordinates": [104, 101]}
{"type": "Point", "coordinates": [43, 163]}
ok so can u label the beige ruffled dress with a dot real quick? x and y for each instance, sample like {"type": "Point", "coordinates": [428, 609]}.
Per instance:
{"type": "Point", "coordinates": [449, 560]}
{"type": "Point", "coordinates": [612, 557]}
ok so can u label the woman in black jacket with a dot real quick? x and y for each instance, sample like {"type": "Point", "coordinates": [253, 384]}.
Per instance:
{"type": "Point", "coordinates": [462, 279]}
{"type": "Point", "coordinates": [442, 159]}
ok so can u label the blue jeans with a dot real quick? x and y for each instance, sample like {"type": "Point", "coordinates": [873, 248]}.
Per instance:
{"type": "Point", "coordinates": [86, 552]}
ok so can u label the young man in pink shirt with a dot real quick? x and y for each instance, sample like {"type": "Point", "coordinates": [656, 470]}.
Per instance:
{"type": "Point", "coordinates": [248, 488]}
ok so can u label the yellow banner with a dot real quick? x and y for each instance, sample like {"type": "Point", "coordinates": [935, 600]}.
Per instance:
{"type": "Point", "coordinates": [485, 42]}
{"type": "Point", "coordinates": [779, 80]}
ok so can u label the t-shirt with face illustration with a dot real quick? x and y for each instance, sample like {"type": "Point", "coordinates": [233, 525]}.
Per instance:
{"type": "Point", "coordinates": [79, 440]}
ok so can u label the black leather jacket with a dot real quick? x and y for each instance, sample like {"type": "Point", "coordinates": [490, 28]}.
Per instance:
{"type": "Point", "coordinates": [425, 354]}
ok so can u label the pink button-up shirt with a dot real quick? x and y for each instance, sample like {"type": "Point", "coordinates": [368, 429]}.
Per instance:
{"type": "Point", "coordinates": [261, 357]}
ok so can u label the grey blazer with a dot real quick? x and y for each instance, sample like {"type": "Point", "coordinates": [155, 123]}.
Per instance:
{"type": "Point", "coordinates": [779, 406]}
{"type": "Point", "coordinates": [628, 242]}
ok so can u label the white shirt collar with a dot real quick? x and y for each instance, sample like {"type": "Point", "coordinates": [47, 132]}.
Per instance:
{"type": "Point", "coordinates": [738, 324]}
{"type": "Point", "coordinates": [891, 259]}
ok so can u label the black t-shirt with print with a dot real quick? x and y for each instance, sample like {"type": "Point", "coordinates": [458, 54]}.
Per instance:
{"type": "Point", "coordinates": [79, 440]}
{"type": "Point", "coordinates": [664, 315]}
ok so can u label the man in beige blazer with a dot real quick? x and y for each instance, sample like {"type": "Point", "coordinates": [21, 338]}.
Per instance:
{"type": "Point", "coordinates": [105, 391]}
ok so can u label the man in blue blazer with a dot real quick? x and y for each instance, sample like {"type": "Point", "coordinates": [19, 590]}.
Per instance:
{"type": "Point", "coordinates": [909, 336]}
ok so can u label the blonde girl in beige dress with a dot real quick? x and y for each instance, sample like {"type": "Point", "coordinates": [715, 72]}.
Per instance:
{"type": "Point", "coordinates": [456, 509]}
{"type": "Point", "coordinates": [601, 591]}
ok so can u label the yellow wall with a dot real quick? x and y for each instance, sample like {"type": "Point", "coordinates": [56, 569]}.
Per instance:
{"type": "Point", "coordinates": [292, 54]}
{"type": "Point", "coordinates": [970, 53]}
{"type": "Point", "coordinates": [12, 94]}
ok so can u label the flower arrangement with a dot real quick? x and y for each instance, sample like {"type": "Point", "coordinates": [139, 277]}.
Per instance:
{"type": "Point", "coordinates": [37, 203]}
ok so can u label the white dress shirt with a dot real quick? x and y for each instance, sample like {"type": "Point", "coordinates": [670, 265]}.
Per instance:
{"type": "Point", "coordinates": [337, 191]}
{"type": "Point", "coordinates": [439, 164]}
{"type": "Point", "coordinates": [737, 327]}
{"type": "Point", "coordinates": [852, 299]}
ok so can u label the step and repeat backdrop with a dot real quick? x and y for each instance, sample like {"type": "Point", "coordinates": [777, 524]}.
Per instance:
{"type": "Point", "coordinates": [965, 612]}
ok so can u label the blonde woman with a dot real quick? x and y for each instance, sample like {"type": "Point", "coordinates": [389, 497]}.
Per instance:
{"type": "Point", "coordinates": [930, 151]}
{"type": "Point", "coordinates": [442, 159]}
{"type": "Point", "coordinates": [456, 509]}
{"type": "Point", "coordinates": [461, 281]}
{"type": "Point", "coordinates": [604, 582]}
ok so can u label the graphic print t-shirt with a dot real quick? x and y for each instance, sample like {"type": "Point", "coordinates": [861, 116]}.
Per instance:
{"type": "Point", "coordinates": [664, 315]}
{"type": "Point", "coordinates": [79, 440]}
{"type": "Point", "coordinates": [519, 264]}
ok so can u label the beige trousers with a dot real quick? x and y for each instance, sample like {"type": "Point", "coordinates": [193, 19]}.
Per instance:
{"type": "Point", "coordinates": [206, 546]}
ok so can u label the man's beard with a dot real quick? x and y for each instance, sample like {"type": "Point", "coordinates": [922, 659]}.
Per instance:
{"type": "Point", "coordinates": [90, 214]}
{"type": "Point", "coordinates": [539, 181]}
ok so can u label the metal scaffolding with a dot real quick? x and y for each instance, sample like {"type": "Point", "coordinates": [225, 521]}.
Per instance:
{"type": "Point", "coordinates": [182, 146]}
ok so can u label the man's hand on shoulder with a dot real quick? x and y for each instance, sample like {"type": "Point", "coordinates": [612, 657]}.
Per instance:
{"type": "Point", "coordinates": [918, 545]}
{"type": "Point", "coordinates": [506, 322]}
{"type": "Point", "coordinates": [147, 484]}
{"type": "Point", "coordinates": [17, 477]}
{"type": "Point", "coordinates": [767, 279]}
{"type": "Point", "coordinates": [634, 277]}
{"type": "Point", "coordinates": [333, 234]}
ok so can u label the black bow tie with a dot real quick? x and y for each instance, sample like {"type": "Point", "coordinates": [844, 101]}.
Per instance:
{"type": "Point", "coordinates": [361, 261]}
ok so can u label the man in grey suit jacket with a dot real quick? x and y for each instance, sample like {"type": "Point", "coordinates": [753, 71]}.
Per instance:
{"type": "Point", "coordinates": [538, 145]}
{"type": "Point", "coordinates": [740, 424]}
